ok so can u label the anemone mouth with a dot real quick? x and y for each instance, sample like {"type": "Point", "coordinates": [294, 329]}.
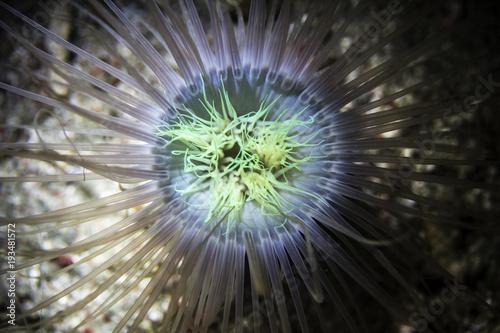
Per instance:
{"type": "Point", "coordinates": [236, 154]}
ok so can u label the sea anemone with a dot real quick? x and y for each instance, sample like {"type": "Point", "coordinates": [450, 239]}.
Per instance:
{"type": "Point", "coordinates": [268, 163]}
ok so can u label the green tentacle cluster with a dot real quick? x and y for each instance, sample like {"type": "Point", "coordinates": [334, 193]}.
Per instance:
{"type": "Point", "coordinates": [238, 158]}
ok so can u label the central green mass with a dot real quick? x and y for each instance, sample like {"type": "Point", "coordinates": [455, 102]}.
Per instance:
{"type": "Point", "coordinates": [238, 158]}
